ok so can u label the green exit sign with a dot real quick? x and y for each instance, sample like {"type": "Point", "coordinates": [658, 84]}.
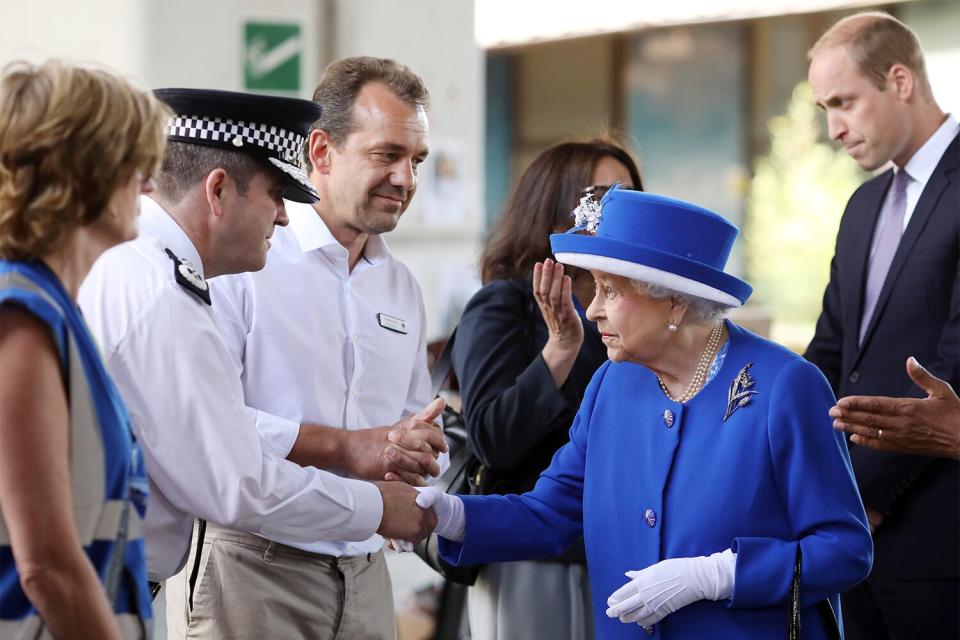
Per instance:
{"type": "Point", "coordinates": [272, 55]}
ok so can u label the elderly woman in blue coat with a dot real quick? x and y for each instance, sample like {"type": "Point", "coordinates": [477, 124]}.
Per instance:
{"type": "Point", "coordinates": [702, 465]}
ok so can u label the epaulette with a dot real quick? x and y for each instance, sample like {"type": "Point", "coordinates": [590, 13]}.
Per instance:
{"type": "Point", "coordinates": [189, 278]}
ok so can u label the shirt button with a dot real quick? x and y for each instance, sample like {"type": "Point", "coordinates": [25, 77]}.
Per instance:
{"type": "Point", "coordinates": [668, 418]}
{"type": "Point", "coordinates": [651, 517]}
{"type": "Point", "coordinates": [854, 377]}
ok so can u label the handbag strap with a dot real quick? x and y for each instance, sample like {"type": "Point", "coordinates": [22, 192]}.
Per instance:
{"type": "Point", "coordinates": [827, 614]}
{"type": "Point", "coordinates": [443, 365]}
{"type": "Point", "coordinates": [793, 621]}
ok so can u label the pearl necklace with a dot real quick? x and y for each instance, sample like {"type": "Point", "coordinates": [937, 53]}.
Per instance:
{"type": "Point", "coordinates": [702, 368]}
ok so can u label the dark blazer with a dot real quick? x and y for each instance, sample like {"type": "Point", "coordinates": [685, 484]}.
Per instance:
{"type": "Point", "coordinates": [515, 415]}
{"type": "Point", "coordinates": [917, 313]}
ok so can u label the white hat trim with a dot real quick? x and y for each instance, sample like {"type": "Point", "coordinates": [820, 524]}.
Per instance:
{"type": "Point", "coordinates": [648, 275]}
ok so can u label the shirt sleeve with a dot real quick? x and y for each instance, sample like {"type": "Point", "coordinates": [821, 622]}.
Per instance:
{"type": "Point", "coordinates": [233, 314]}
{"type": "Point", "coordinates": [202, 449]}
{"type": "Point", "coordinates": [813, 475]}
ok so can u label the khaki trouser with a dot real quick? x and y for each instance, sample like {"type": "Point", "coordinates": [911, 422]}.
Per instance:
{"type": "Point", "coordinates": [250, 587]}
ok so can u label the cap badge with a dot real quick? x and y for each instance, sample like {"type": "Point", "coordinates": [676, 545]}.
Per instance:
{"type": "Point", "coordinates": [189, 278]}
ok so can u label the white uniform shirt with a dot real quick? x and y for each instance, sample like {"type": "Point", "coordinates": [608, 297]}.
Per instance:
{"type": "Point", "coordinates": [309, 336]}
{"type": "Point", "coordinates": [203, 451]}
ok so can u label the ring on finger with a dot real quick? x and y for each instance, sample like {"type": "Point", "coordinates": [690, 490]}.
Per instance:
{"type": "Point", "coordinates": [879, 434]}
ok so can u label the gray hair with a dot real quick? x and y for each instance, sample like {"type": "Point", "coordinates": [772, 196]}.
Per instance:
{"type": "Point", "coordinates": [699, 310]}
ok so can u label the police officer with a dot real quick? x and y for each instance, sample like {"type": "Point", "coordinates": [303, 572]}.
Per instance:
{"type": "Point", "coordinates": [232, 159]}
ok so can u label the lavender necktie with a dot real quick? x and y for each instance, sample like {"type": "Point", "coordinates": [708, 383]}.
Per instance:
{"type": "Point", "coordinates": [892, 228]}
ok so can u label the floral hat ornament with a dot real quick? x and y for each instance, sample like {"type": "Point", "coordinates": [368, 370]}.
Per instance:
{"type": "Point", "coordinates": [657, 240]}
{"type": "Point", "coordinates": [586, 217]}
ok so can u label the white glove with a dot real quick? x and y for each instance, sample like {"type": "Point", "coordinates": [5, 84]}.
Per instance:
{"type": "Point", "coordinates": [657, 591]}
{"type": "Point", "coordinates": [451, 519]}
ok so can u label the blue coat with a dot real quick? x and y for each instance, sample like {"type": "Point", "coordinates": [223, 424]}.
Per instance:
{"type": "Point", "coordinates": [641, 490]}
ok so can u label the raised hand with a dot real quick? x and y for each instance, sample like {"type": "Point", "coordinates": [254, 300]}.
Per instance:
{"type": "Point", "coordinates": [924, 426]}
{"type": "Point", "coordinates": [402, 518]}
{"type": "Point", "coordinates": [553, 292]}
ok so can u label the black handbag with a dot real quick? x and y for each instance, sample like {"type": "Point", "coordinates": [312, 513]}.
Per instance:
{"type": "Point", "coordinates": [464, 476]}
{"type": "Point", "coordinates": [827, 614]}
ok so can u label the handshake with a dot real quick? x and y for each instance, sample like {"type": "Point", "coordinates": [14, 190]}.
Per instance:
{"type": "Point", "coordinates": [410, 514]}
{"type": "Point", "coordinates": [399, 457]}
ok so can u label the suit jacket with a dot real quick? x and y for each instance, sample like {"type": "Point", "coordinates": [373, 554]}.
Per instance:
{"type": "Point", "coordinates": [917, 313]}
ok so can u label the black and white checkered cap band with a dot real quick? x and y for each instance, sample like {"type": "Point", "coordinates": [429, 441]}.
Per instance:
{"type": "Point", "coordinates": [286, 144]}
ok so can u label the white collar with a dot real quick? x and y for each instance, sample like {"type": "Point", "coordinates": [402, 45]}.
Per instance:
{"type": "Point", "coordinates": [156, 222]}
{"type": "Point", "coordinates": [920, 167]}
{"type": "Point", "coordinates": [312, 232]}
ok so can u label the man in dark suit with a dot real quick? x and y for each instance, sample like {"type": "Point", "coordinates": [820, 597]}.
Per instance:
{"type": "Point", "coordinates": [894, 292]}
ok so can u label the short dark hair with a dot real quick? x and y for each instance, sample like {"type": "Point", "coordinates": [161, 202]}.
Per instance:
{"type": "Point", "coordinates": [343, 79]}
{"type": "Point", "coordinates": [187, 164]}
{"type": "Point", "coordinates": [542, 202]}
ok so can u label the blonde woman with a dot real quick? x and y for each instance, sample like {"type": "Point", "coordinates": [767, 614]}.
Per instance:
{"type": "Point", "coordinates": [77, 148]}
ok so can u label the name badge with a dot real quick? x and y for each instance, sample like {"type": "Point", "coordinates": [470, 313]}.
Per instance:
{"type": "Point", "coordinates": [391, 323]}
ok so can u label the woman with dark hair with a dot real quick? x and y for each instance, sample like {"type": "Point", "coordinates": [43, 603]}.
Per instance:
{"type": "Point", "coordinates": [523, 358]}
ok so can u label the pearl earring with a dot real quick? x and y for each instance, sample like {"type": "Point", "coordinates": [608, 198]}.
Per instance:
{"type": "Point", "coordinates": [672, 328]}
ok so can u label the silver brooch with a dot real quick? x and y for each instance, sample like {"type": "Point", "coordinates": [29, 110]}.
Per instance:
{"type": "Point", "coordinates": [587, 214]}
{"type": "Point", "coordinates": [740, 391]}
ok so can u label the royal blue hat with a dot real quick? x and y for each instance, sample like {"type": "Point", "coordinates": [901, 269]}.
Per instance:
{"type": "Point", "coordinates": [270, 128]}
{"type": "Point", "coordinates": [656, 240]}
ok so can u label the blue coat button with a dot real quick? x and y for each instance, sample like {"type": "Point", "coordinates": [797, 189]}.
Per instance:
{"type": "Point", "coordinates": [649, 630]}
{"type": "Point", "coordinates": [668, 418]}
{"type": "Point", "coordinates": [651, 517]}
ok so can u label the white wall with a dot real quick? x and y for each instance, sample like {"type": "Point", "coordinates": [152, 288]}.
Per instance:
{"type": "Point", "coordinates": [101, 31]}
{"type": "Point", "coordinates": [199, 43]}
{"type": "Point", "coordinates": [438, 236]}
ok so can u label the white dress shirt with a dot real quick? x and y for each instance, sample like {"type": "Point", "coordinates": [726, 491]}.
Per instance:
{"type": "Point", "coordinates": [314, 345]}
{"type": "Point", "coordinates": [204, 454]}
{"type": "Point", "coordinates": [920, 167]}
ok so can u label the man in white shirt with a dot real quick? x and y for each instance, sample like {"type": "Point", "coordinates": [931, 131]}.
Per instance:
{"type": "Point", "coordinates": [894, 292]}
{"type": "Point", "coordinates": [331, 332]}
{"type": "Point", "coordinates": [229, 164]}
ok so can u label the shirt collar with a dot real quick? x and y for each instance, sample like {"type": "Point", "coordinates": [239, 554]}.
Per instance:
{"type": "Point", "coordinates": [925, 160]}
{"type": "Point", "coordinates": [156, 222]}
{"type": "Point", "coordinates": [312, 233]}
